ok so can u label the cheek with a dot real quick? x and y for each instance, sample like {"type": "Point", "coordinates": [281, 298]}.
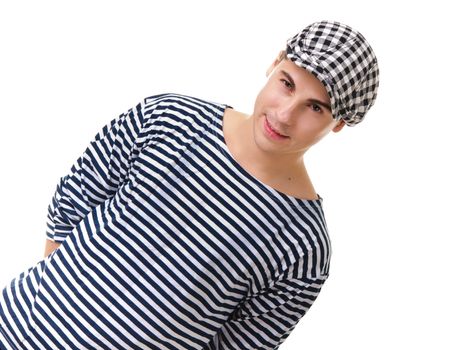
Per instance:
{"type": "Point", "coordinates": [269, 95]}
{"type": "Point", "coordinates": [312, 131]}
{"type": "Point", "coordinates": [274, 91]}
{"type": "Point", "coordinates": [259, 103]}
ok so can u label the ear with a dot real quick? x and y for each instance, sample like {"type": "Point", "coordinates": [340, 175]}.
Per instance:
{"type": "Point", "coordinates": [339, 126]}
{"type": "Point", "coordinates": [275, 63]}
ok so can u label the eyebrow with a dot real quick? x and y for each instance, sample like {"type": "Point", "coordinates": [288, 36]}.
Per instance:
{"type": "Point", "coordinates": [313, 100]}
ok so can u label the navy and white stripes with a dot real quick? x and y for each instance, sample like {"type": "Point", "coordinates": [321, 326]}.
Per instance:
{"type": "Point", "coordinates": [167, 243]}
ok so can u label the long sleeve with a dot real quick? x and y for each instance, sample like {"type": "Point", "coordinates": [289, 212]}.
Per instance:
{"type": "Point", "coordinates": [266, 320]}
{"type": "Point", "coordinates": [190, 252]}
{"type": "Point", "coordinates": [96, 175]}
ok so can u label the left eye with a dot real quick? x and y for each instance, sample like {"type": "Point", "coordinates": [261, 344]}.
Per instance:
{"type": "Point", "coordinates": [287, 83]}
{"type": "Point", "coordinates": [316, 108]}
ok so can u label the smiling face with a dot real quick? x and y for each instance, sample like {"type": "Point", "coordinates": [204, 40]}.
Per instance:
{"type": "Point", "coordinates": [292, 111]}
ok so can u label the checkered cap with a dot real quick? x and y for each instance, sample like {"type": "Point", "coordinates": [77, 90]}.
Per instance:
{"type": "Point", "coordinates": [343, 61]}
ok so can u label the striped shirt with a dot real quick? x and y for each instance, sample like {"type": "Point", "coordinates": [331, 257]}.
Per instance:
{"type": "Point", "coordinates": [168, 243]}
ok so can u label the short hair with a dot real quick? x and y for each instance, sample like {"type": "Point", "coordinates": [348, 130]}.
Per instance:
{"type": "Point", "coordinates": [282, 55]}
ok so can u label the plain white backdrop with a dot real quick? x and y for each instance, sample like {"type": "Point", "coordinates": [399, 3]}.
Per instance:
{"type": "Point", "coordinates": [393, 186]}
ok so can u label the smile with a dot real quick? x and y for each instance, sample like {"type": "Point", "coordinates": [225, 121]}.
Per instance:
{"type": "Point", "coordinates": [271, 132]}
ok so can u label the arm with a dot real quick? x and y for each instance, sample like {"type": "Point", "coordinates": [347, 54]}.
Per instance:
{"type": "Point", "coordinates": [266, 320]}
{"type": "Point", "coordinates": [95, 176]}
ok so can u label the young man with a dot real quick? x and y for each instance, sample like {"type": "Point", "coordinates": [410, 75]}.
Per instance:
{"type": "Point", "coordinates": [189, 225]}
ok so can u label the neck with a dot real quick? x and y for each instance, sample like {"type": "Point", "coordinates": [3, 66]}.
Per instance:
{"type": "Point", "coordinates": [267, 165]}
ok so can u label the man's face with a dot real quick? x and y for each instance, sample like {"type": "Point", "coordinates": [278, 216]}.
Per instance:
{"type": "Point", "coordinates": [295, 104]}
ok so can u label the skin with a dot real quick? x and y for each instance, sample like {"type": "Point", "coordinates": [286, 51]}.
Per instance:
{"type": "Point", "coordinates": [287, 107]}
{"type": "Point", "coordinates": [50, 246]}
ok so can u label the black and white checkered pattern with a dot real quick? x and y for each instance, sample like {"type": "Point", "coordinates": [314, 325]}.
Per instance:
{"type": "Point", "coordinates": [342, 59]}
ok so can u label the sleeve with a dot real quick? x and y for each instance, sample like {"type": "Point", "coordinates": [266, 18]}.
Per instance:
{"type": "Point", "coordinates": [266, 320]}
{"type": "Point", "coordinates": [96, 175]}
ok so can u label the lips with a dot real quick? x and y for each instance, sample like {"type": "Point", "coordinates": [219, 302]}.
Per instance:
{"type": "Point", "coordinates": [272, 131]}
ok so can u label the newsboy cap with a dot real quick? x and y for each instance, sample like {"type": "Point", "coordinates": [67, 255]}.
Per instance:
{"type": "Point", "coordinates": [342, 59]}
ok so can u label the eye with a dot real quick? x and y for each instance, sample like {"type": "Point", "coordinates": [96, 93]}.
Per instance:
{"type": "Point", "coordinates": [316, 108]}
{"type": "Point", "coordinates": [286, 83]}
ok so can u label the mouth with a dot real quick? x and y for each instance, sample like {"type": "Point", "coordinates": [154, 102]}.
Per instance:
{"type": "Point", "coordinates": [273, 133]}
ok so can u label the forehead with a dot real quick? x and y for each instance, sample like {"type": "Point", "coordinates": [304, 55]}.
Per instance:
{"type": "Point", "coordinates": [304, 80]}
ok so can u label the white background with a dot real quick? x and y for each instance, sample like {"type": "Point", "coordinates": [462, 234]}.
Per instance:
{"type": "Point", "coordinates": [393, 186]}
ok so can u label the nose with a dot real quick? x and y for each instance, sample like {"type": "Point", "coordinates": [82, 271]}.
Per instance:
{"type": "Point", "coordinates": [287, 111]}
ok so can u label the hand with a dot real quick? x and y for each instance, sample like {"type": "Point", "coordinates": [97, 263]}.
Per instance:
{"type": "Point", "coordinates": [50, 246]}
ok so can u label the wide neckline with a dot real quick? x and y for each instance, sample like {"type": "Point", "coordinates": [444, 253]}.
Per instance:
{"type": "Point", "coordinates": [226, 151]}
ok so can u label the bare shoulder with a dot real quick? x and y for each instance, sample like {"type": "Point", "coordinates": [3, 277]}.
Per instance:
{"type": "Point", "coordinates": [310, 194]}
{"type": "Point", "coordinates": [301, 189]}
{"type": "Point", "coordinates": [231, 121]}
{"type": "Point", "coordinates": [232, 116]}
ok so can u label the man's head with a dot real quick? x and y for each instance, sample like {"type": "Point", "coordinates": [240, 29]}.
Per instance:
{"type": "Point", "coordinates": [325, 79]}
{"type": "Point", "coordinates": [296, 105]}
